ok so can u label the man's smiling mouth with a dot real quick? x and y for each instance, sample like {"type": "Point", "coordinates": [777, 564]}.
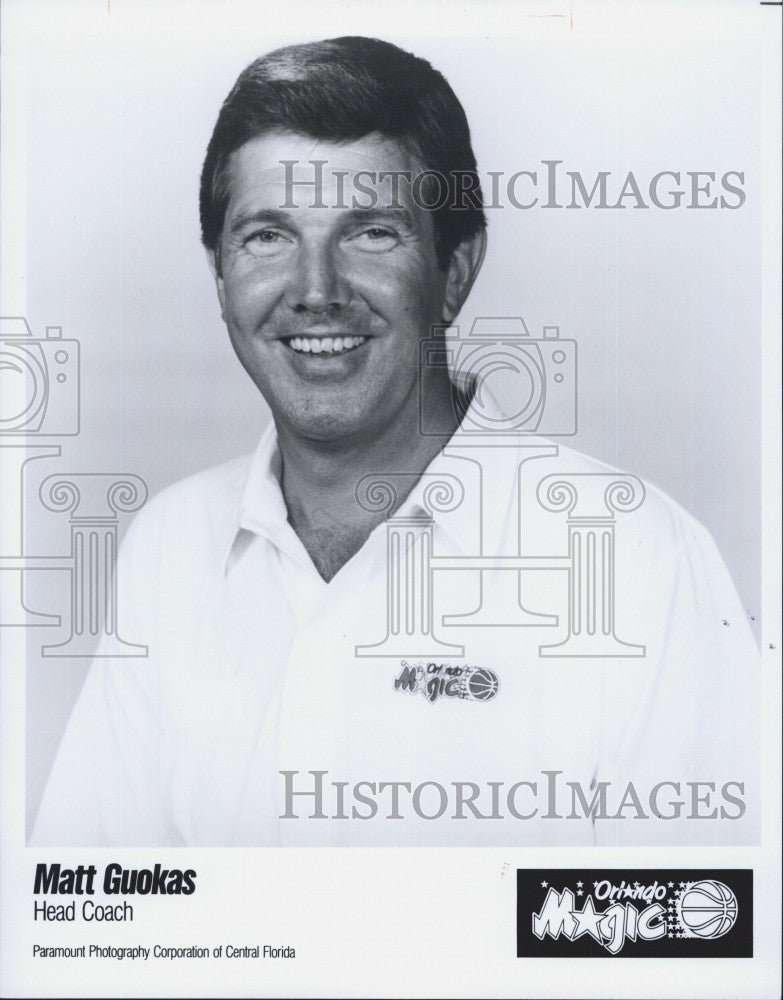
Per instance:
{"type": "Point", "coordinates": [324, 345]}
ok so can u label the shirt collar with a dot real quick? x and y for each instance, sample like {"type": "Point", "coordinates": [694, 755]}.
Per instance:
{"type": "Point", "coordinates": [474, 460]}
{"type": "Point", "coordinates": [263, 511]}
{"type": "Point", "coordinates": [441, 494]}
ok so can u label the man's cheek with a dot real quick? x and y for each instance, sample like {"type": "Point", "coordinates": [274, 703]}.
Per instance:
{"type": "Point", "coordinates": [248, 298]}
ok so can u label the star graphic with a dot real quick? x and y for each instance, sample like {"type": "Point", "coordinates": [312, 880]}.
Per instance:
{"type": "Point", "coordinates": [670, 934]}
{"type": "Point", "coordinates": [682, 885]}
{"type": "Point", "coordinates": [670, 885]}
{"type": "Point", "coordinates": [587, 921]}
{"type": "Point", "coordinates": [595, 885]}
{"type": "Point", "coordinates": [579, 885]}
{"type": "Point", "coordinates": [579, 892]}
{"type": "Point", "coordinates": [544, 885]}
{"type": "Point", "coordinates": [636, 885]}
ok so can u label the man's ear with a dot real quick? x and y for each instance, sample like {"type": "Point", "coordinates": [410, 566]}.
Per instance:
{"type": "Point", "coordinates": [464, 266]}
{"type": "Point", "coordinates": [217, 274]}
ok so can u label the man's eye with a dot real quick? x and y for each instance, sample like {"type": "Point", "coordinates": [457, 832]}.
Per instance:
{"type": "Point", "coordinates": [265, 241]}
{"type": "Point", "coordinates": [376, 238]}
{"type": "Point", "coordinates": [266, 236]}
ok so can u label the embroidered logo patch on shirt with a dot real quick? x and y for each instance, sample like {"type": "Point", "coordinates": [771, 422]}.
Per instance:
{"type": "Point", "coordinates": [443, 680]}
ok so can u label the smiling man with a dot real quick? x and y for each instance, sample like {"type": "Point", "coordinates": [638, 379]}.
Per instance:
{"type": "Point", "coordinates": [326, 305]}
{"type": "Point", "coordinates": [341, 213]}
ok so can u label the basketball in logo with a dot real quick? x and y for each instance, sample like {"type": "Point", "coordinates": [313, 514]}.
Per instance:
{"type": "Point", "coordinates": [483, 684]}
{"type": "Point", "coordinates": [708, 909]}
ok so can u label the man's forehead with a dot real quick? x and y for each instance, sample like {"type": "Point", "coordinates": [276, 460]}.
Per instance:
{"type": "Point", "coordinates": [296, 170]}
{"type": "Point", "coordinates": [370, 152]}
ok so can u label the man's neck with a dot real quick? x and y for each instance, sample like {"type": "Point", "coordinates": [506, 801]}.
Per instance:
{"type": "Point", "coordinates": [319, 481]}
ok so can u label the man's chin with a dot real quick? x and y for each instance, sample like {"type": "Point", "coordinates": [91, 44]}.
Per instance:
{"type": "Point", "coordinates": [323, 428]}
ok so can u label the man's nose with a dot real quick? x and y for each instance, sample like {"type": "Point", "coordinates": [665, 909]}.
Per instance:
{"type": "Point", "coordinates": [316, 282]}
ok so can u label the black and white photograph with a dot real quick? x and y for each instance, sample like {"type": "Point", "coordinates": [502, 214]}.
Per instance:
{"type": "Point", "coordinates": [391, 486]}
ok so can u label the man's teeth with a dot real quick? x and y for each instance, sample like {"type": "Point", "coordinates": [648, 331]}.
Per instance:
{"type": "Point", "coordinates": [324, 345]}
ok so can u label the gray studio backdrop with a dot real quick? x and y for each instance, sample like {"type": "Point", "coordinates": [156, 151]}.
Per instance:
{"type": "Point", "coordinates": [664, 304]}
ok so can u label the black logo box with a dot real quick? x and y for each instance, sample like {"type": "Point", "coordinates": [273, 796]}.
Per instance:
{"type": "Point", "coordinates": [735, 943]}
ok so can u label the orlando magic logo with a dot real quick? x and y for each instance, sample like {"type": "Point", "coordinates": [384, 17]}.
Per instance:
{"type": "Point", "coordinates": [442, 680]}
{"type": "Point", "coordinates": [636, 913]}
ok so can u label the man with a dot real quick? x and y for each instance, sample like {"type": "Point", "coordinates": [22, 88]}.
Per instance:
{"type": "Point", "coordinates": [345, 630]}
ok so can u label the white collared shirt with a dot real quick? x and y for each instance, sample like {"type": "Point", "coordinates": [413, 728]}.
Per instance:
{"type": "Point", "coordinates": [253, 670]}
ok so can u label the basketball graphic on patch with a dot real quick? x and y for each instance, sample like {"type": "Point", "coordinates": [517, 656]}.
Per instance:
{"type": "Point", "coordinates": [483, 684]}
{"type": "Point", "coordinates": [708, 909]}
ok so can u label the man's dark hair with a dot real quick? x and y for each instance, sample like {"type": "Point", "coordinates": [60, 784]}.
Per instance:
{"type": "Point", "coordinates": [340, 90]}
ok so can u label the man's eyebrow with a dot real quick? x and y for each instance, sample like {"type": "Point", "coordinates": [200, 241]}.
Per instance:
{"type": "Point", "coordinates": [271, 215]}
{"type": "Point", "coordinates": [401, 216]}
